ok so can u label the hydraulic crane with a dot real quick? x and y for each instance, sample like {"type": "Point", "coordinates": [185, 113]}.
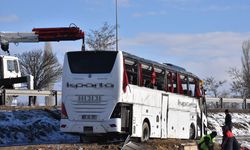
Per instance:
{"type": "Point", "coordinates": [10, 73]}
{"type": "Point", "coordinates": [41, 35]}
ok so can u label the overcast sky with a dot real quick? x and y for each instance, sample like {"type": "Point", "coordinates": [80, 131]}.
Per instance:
{"type": "Point", "coordinates": [203, 36]}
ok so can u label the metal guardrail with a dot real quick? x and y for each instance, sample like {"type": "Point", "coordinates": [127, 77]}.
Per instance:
{"type": "Point", "coordinates": [23, 92]}
{"type": "Point", "coordinates": [220, 101]}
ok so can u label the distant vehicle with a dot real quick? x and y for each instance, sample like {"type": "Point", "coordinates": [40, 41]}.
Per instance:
{"type": "Point", "coordinates": [115, 92]}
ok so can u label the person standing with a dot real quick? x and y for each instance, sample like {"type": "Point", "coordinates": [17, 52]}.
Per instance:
{"type": "Point", "coordinates": [229, 142]}
{"type": "Point", "coordinates": [228, 120]}
{"type": "Point", "coordinates": [207, 141]}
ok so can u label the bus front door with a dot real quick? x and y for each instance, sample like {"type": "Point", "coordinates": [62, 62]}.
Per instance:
{"type": "Point", "coordinates": [164, 115]}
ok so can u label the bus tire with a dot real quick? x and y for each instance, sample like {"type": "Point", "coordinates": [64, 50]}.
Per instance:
{"type": "Point", "coordinates": [192, 132]}
{"type": "Point", "coordinates": [145, 132]}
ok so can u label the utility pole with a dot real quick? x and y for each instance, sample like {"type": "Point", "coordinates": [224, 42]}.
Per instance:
{"type": "Point", "coordinates": [116, 25]}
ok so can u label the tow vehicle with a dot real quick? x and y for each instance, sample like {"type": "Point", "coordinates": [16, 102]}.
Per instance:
{"type": "Point", "coordinates": [10, 73]}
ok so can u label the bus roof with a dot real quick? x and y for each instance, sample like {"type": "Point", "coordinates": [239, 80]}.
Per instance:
{"type": "Point", "coordinates": [166, 66]}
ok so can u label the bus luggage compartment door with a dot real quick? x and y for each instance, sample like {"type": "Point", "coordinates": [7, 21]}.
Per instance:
{"type": "Point", "coordinates": [126, 118]}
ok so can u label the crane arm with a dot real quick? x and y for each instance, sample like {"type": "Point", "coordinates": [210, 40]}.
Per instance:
{"type": "Point", "coordinates": [41, 35]}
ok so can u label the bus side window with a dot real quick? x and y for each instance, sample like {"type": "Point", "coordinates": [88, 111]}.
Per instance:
{"type": "Point", "coordinates": [191, 86]}
{"type": "Point", "coordinates": [170, 87]}
{"type": "Point", "coordinates": [130, 80]}
{"type": "Point", "coordinates": [160, 79]}
{"type": "Point", "coordinates": [197, 88]}
{"type": "Point", "coordinates": [135, 74]}
{"type": "Point", "coordinates": [146, 75]}
{"type": "Point", "coordinates": [132, 73]}
{"type": "Point", "coordinates": [128, 70]}
{"type": "Point", "coordinates": [185, 85]}
{"type": "Point", "coordinates": [179, 84]}
{"type": "Point", "coordinates": [147, 84]}
{"type": "Point", "coordinates": [132, 76]}
{"type": "Point", "coordinates": [174, 78]}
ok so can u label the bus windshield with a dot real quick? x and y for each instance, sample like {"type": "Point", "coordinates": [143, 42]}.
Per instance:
{"type": "Point", "coordinates": [91, 61]}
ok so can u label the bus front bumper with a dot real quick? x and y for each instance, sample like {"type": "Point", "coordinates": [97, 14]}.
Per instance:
{"type": "Point", "coordinates": [93, 127]}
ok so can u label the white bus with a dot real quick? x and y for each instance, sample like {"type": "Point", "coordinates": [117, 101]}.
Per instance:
{"type": "Point", "coordinates": [115, 92]}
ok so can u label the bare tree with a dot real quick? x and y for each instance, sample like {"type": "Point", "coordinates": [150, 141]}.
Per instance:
{"type": "Point", "coordinates": [237, 85]}
{"type": "Point", "coordinates": [224, 94]}
{"type": "Point", "coordinates": [241, 78]}
{"type": "Point", "coordinates": [102, 39]}
{"type": "Point", "coordinates": [246, 66]}
{"type": "Point", "coordinates": [212, 86]}
{"type": "Point", "coordinates": [44, 66]}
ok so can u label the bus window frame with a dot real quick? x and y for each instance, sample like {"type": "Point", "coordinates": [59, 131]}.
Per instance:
{"type": "Point", "coordinates": [169, 80]}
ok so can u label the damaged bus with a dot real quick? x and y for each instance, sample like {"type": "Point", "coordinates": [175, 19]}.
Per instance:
{"type": "Point", "coordinates": [106, 92]}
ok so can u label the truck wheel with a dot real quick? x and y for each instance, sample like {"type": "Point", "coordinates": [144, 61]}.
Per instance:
{"type": "Point", "coordinates": [145, 132]}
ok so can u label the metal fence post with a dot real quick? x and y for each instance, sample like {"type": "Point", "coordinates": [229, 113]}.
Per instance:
{"type": "Point", "coordinates": [30, 99]}
{"type": "Point", "coordinates": [245, 103]}
{"type": "Point", "coordinates": [3, 96]}
{"type": "Point", "coordinates": [221, 102]}
{"type": "Point", "coordinates": [55, 98]}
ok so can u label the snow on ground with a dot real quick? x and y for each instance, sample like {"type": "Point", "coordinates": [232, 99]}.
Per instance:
{"type": "Point", "coordinates": [241, 125]}
{"type": "Point", "coordinates": [33, 126]}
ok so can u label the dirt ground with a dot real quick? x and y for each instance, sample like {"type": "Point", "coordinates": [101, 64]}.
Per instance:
{"type": "Point", "coordinates": [154, 144]}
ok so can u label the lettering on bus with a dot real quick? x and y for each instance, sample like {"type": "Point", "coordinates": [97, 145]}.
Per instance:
{"type": "Point", "coordinates": [188, 104]}
{"type": "Point", "coordinates": [90, 85]}
{"type": "Point", "coordinates": [89, 98]}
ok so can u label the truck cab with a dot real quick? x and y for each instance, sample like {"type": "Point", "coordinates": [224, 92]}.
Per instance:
{"type": "Point", "coordinates": [9, 68]}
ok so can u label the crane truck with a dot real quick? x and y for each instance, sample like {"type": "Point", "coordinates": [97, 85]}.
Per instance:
{"type": "Point", "coordinates": [10, 73]}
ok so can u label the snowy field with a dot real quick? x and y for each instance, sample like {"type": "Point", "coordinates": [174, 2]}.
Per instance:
{"type": "Point", "coordinates": [241, 126]}
{"type": "Point", "coordinates": [241, 123]}
{"type": "Point", "coordinates": [21, 127]}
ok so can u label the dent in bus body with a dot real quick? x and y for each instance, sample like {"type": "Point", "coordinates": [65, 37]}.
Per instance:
{"type": "Point", "coordinates": [124, 112]}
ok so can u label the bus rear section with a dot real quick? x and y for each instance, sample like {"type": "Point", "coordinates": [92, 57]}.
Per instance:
{"type": "Point", "coordinates": [92, 81]}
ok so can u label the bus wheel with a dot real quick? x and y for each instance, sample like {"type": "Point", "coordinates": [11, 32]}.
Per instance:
{"type": "Point", "coordinates": [192, 132]}
{"type": "Point", "coordinates": [145, 132]}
